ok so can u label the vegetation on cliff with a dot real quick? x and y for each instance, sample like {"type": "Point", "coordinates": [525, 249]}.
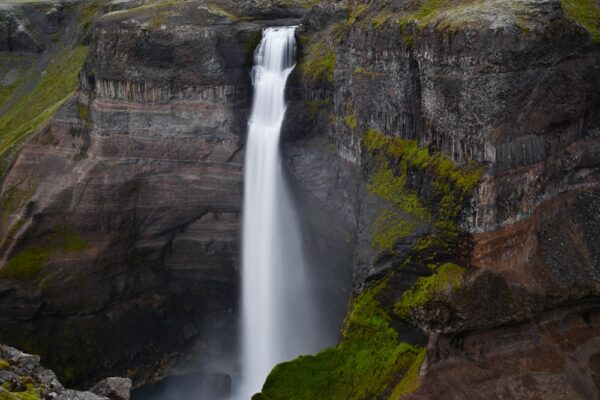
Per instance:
{"type": "Point", "coordinates": [370, 360]}
{"type": "Point", "coordinates": [445, 279]}
{"type": "Point", "coordinates": [26, 115]}
{"type": "Point", "coordinates": [419, 186]}
{"type": "Point", "coordinates": [27, 262]}
{"type": "Point", "coordinates": [586, 13]}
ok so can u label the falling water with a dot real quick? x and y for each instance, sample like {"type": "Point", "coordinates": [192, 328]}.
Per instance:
{"type": "Point", "coordinates": [277, 317]}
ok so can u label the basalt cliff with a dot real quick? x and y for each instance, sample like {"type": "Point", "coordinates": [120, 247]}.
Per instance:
{"type": "Point", "coordinates": [445, 159]}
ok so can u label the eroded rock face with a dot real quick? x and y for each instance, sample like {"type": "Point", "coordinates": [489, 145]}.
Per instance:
{"type": "Point", "coordinates": [552, 357]}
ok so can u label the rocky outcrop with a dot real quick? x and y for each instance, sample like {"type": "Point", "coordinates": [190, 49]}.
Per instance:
{"type": "Point", "coordinates": [551, 357]}
{"type": "Point", "coordinates": [22, 376]}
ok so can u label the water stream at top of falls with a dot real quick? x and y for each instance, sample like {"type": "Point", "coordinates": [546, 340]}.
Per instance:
{"type": "Point", "coordinates": [278, 319]}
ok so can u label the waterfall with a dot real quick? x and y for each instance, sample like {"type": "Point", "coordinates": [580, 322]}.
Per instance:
{"type": "Point", "coordinates": [277, 315]}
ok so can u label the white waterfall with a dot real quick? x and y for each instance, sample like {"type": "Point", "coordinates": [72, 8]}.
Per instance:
{"type": "Point", "coordinates": [277, 315]}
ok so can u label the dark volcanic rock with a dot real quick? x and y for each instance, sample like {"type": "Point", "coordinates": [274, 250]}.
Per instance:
{"type": "Point", "coordinates": [113, 388]}
{"type": "Point", "coordinates": [22, 375]}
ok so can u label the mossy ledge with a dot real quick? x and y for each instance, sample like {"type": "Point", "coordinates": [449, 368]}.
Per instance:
{"type": "Point", "coordinates": [446, 279]}
{"type": "Point", "coordinates": [30, 260]}
{"type": "Point", "coordinates": [369, 362]}
{"type": "Point", "coordinates": [419, 186]}
{"type": "Point", "coordinates": [318, 60]}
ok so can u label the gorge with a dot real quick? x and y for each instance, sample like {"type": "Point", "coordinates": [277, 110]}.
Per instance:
{"type": "Point", "coordinates": [443, 158]}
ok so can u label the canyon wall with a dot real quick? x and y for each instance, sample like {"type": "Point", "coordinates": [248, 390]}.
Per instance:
{"type": "Point", "coordinates": [445, 161]}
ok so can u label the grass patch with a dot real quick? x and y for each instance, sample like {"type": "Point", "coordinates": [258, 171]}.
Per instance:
{"type": "Point", "coordinates": [426, 11]}
{"type": "Point", "coordinates": [15, 197]}
{"type": "Point", "coordinates": [446, 278]}
{"type": "Point", "coordinates": [318, 61]}
{"type": "Point", "coordinates": [25, 264]}
{"type": "Point", "coordinates": [388, 228]}
{"type": "Point", "coordinates": [369, 357]}
{"type": "Point", "coordinates": [38, 106]}
{"type": "Point", "coordinates": [88, 13]}
{"type": "Point", "coordinates": [83, 111]}
{"type": "Point", "coordinates": [29, 261]}
{"type": "Point", "coordinates": [351, 121]}
{"type": "Point", "coordinates": [394, 165]}
{"type": "Point", "coordinates": [586, 13]}
{"type": "Point", "coordinates": [221, 12]}
{"type": "Point", "coordinates": [32, 393]}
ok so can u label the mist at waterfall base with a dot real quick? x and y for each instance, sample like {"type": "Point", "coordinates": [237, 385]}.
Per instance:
{"type": "Point", "coordinates": [294, 284]}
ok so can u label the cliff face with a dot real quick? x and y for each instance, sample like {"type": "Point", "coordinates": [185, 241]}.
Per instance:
{"type": "Point", "coordinates": [123, 230]}
{"type": "Point", "coordinates": [474, 130]}
{"type": "Point", "coordinates": [444, 154]}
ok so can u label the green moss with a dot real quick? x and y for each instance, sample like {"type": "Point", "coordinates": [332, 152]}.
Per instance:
{"type": "Point", "coordinates": [443, 186]}
{"type": "Point", "coordinates": [4, 364]}
{"type": "Point", "coordinates": [410, 381]}
{"type": "Point", "coordinates": [38, 106]}
{"type": "Point", "coordinates": [83, 111]}
{"type": "Point", "coordinates": [426, 10]}
{"type": "Point", "coordinates": [355, 12]}
{"type": "Point", "coordinates": [157, 21]}
{"type": "Point", "coordinates": [32, 393]}
{"type": "Point", "coordinates": [369, 357]}
{"type": "Point", "coordinates": [392, 187]}
{"type": "Point", "coordinates": [68, 241]}
{"type": "Point", "coordinates": [389, 227]}
{"type": "Point", "coordinates": [26, 263]}
{"type": "Point", "coordinates": [318, 61]}
{"type": "Point", "coordinates": [451, 184]}
{"type": "Point", "coordinates": [361, 71]}
{"type": "Point", "coordinates": [88, 13]}
{"type": "Point", "coordinates": [319, 107]}
{"type": "Point", "coordinates": [29, 261]}
{"type": "Point", "coordinates": [586, 13]}
{"type": "Point", "coordinates": [222, 12]}
{"type": "Point", "coordinates": [447, 278]}
{"type": "Point", "coordinates": [351, 121]}
{"type": "Point", "coordinates": [381, 18]}
{"type": "Point", "coordinates": [15, 197]}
